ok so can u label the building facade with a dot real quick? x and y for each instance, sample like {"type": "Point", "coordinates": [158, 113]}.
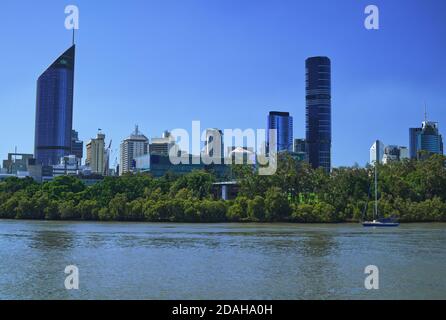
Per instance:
{"type": "Point", "coordinates": [300, 148]}
{"type": "Point", "coordinates": [376, 152]}
{"type": "Point", "coordinates": [158, 165]}
{"type": "Point", "coordinates": [54, 110]}
{"type": "Point", "coordinates": [426, 139]}
{"type": "Point", "coordinates": [163, 145]}
{"type": "Point", "coordinates": [77, 146]}
{"type": "Point", "coordinates": [132, 147]}
{"type": "Point", "coordinates": [16, 162]}
{"type": "Point", "coordinates": [318, 111]}
{"type": "Point", "coordinates": [283, 123]}
{"type": "Point", "coordinates": [96, 154]}
{"type": "Point", "coordinates": [394, 153]}
{"type": "Point", "coordinates": [214, 144]}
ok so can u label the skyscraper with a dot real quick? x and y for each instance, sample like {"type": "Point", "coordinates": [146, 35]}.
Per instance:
{"type": "Point", "coordinates": [163, 145]}
{"type": "Point", "coordinates": [77, 146]}
{"type": "Point", "coordinates": [376, 152]}
{"type": "Point", "coordinates": [283, 123]}
{"type": "Point", "coordinates": [54, 110]}
{"type": "Point", "coordinates": [318, 111]}
{"type": "Point", "coordinates": [96, 155]}
{"type": "Point", "coordinates": [413, 140]}
{"type": "Point", "coordinates": [134, 146]}
{"type": "Point", "coordinates": [214, 144]}
{"type": "Point", "coordinates": [425, 139]}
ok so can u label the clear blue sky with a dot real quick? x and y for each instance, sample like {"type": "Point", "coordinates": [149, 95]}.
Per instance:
{"type": "Point", "coordinates": [162, 64]}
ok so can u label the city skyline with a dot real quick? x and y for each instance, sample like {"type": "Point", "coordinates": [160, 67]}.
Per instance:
{"type": "Point", "coordinates": [345, 151]}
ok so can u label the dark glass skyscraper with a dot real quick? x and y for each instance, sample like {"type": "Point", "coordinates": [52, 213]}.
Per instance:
{"type": "Point", "coordinates": [318, 111]}
{"type": "Point", "coordinates": [283, 123]}
{"type": "Point", "coordinates": [54, 110]}
{"type": "Point", "coordinates": [425, 139]}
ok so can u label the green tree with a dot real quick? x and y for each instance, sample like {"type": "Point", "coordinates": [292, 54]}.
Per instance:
{"type": "Point", "coordinates": [277, 205]}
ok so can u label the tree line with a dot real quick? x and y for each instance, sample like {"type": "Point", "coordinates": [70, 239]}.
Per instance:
{"type": "Point", "coordinates": [411, 190]}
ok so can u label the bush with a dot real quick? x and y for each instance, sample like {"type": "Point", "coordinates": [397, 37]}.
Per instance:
{"type": "Point", "coordinates": [256, 209]}
{"type": "Point", "coordinates": [277, 205]}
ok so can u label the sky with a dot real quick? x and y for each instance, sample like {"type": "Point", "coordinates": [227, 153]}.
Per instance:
{"type": "Point", "coordinates": [227, 63]}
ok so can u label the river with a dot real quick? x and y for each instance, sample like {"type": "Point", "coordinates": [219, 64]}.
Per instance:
{"type": "Point", "coordinates": [220, 261]}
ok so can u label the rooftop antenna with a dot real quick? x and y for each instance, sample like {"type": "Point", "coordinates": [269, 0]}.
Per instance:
{"type": "Point", "coordinates": [425, 112]}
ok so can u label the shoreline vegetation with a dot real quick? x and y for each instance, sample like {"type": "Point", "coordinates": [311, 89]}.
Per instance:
{"type": "Point", "coordinates": [411, 190]}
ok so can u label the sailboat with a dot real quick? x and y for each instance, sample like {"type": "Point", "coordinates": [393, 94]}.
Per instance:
{"type": "Point", "coordinates": [377, 222]}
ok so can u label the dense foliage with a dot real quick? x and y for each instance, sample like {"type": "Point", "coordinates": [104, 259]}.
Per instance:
{"type": "Point", "coordinates": [410, 190]}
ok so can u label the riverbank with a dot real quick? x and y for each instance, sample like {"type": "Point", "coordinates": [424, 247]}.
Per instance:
{"type": "Point", "coordinates": [247, 222]}
{"type": "Point", "coordinates": [411, 191]}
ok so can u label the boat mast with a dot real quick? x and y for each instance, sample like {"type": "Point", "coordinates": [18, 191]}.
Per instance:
{"type": "Point", "coordinates": [375, 214]}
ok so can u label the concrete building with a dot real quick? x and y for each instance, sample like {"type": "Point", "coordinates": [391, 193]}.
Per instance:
{"type": "Point", "coordinates": [376, 152]}
{"type": "Point", "coordinates": [394, 153]}
{"type": "Point", "coordinates": [163, 145]}
{"type": "Point", "coordinates": [68, 166]}
{"type": "Point", "coordinates": [96, 154]}
{"type": "Point", "coordinates": [137, 144]}
{"type": "Point", "coordinates": [158, 165]}
{"type": "Point", "coordinates": [16, 162]}
{"type": "Point", "coordinates": [214, 144]}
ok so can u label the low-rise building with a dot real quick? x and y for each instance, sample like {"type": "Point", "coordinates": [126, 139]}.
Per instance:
{"type": "Point", "coordinates": [17, 162]}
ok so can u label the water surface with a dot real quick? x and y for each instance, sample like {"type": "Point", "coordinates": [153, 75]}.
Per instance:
{"type": "Point", "coordinates": [220, 261]}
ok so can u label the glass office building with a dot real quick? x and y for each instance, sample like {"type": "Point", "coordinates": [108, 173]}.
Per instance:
{"type": "Point", "coordinates": [425, 139]}
{"type": "Point", "coordinates": [318, 111]}
{"type": "Point", "coordinates": [54, 110]}
{"type": "Point", "coordinates": [283, 123]}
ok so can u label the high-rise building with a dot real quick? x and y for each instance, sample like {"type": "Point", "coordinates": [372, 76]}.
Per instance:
{"type": "Point", "coordinates": [54, 110]}
{"type": "Point", "coordinates": [404, 153]}
{"type": "Point", "coordinates": [394, 153]}
{"type": "Point", "coordinates": [214, 144]}
{"type": "Point", "coordinates": [132, 147]}
{"type": "Point", "coordinates": [96, 154]}
{"type": "Point", "coordinates": [318, 111]}
{"type": "Point", "coordinates": [413, 141]}
{"type": "Point", "coordinates": [162, 146]}
{"type": "Point", "coordinates": [426, 139]}
{"type": "Point", "coordinates": [300, 149]}
{"type": "Point", "coordinates": [283, 123]}
{"type": "Point", "coordinates": [300, 145]}
{"type": "Point", "coordinates": [376, 152]}
{"type": "Point", "coordinates": [77, 146]}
